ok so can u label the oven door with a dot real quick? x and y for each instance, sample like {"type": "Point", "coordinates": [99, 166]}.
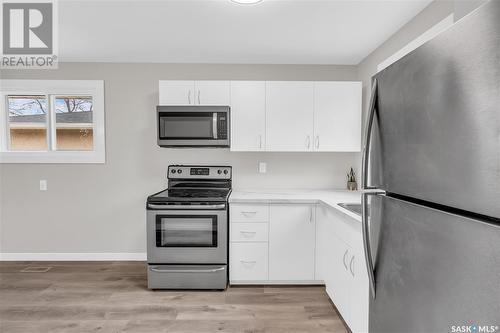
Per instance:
{"type": "Point", "coordinates": [192, 126]}
{"type": "Point", "coordinates": [187, 236]}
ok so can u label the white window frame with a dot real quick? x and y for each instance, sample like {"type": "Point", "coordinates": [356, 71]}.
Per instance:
{"type": "Point", "coordinates": [94, 88]}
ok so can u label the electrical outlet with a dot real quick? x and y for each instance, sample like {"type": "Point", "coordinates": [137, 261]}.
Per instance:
{"type": "Point", "coordinates": [262, 167]}
{"type": "Point", "coordinates": [43, 185]}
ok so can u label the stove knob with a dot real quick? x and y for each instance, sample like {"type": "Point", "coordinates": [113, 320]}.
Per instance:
{"type": "Point", "coordinates": [225, 172]}
{"type": "Point", "coordinates": [219, 171]}
{"type": "Point", "coordinates": [172, 171]}
{"type": "Point", "coordinates": [179, 171]}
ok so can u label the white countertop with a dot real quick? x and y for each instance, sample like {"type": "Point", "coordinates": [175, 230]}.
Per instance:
{"type": "Point", "coordinates": [327, 197]}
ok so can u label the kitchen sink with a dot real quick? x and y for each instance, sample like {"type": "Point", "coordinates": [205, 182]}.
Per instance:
{"type": "Point", "coordinates": [352, 207]}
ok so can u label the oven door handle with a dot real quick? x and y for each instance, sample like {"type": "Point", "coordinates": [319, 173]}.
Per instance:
{"type": "Point", "coordinates": [186, 207]}
{"type": "Point", "coordinates": [213, 270]}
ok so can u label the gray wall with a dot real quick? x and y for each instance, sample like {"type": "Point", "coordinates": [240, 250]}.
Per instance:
{"type": "Point", "coordinates": [100, 208]}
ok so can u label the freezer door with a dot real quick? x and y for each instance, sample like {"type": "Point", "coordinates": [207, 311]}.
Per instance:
{"type": "Point", "coordinates": [438, 118]}
{"type": "Point", "coordinates": [433, 270]}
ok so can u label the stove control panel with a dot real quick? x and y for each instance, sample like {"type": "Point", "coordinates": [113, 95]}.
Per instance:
{"type": "Point", "coordinates": [199, 172]}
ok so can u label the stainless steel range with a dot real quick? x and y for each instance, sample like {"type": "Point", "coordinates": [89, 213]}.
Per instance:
{"type": "Point", "coordinates": [187, 229]}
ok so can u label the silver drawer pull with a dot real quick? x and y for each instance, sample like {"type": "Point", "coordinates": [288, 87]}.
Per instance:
{"type": "Point", "coordinates": [154, 269]}
{"type": "Point", "coordinates": [248, 261]}
{"type": "Point", "coordinates": [248, 232]}
{"type": "Point", "coordinates": [248, 213]}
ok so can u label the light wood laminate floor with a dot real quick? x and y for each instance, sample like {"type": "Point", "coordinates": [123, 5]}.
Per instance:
{"type": "Point", "coordinates": [112, 297]}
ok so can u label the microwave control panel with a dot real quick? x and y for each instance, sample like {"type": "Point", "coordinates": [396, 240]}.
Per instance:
{"type": "Point", "coordinates": [222, 125]}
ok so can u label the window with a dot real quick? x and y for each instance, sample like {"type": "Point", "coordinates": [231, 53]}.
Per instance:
{"type": "Point", "coordinates": [74, 127]}
{"type": "Point", "coordinates": [52, 121]}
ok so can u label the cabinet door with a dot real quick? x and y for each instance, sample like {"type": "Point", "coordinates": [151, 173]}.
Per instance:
{"type": "Point", "coordinates": [212, 93]}
{"type": "Point", "coordinates": [337, 116]}
{"type": "Point", "coordinates": [322, 243]}
{"type": "Point", "coordinates": [337, 275]}
{"type": "Point", "coordinates": [291, 242]}
{"type": "Point", "coordinates": [176, 92]}
{"type": "Point", "coordinates": [359, 292]}
{"type": "Point", "coordinates": [248, 115]}
{"type": "Point", "coordinates": [248, 261]}
{"type": "Point", "coordinates": [289, 116]}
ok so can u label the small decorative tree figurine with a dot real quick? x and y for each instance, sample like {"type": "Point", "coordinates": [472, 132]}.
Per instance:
{"type": "Point", "coordinates": [352, 185]}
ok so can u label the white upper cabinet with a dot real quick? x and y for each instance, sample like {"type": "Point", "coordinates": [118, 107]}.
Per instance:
{"type": "Point", "coordinates": [176, 92]}
{"type": "Point", "coordinates": [337, 116]}
{"type": "Point", "coordinates": [212, 93]}
{"type": "Point", "coordinates": [248, 115]}
{"type": "Point", "coordinates": [289, 115]}
{"type": "Point", "coordinates": [300, 116]}
{"type": "Point", "coordinates": [291, 242]}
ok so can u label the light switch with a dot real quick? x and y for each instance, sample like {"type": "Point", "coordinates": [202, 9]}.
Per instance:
{"type": "Point", "coordinates": [262, 167]}
{"type": "Point", "coordinates": [43, 185]}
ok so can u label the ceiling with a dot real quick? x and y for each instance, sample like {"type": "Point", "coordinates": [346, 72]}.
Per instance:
{"type": "Point", "coordinates": [220, 31]}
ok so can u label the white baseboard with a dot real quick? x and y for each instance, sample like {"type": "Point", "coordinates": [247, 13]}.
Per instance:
{"type": "Point", "coordinates": [140, 256]}
{"type": "Point", "coordinates": [276, 282]}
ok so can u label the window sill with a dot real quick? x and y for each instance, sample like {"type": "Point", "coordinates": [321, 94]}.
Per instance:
{"type": "Point", "coordinates": [53, 157]}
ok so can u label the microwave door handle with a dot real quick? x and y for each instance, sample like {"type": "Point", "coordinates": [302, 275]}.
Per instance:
{"type": "Point", "coordinates": [214, 120]}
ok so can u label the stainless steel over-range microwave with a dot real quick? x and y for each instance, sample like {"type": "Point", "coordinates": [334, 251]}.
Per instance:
{"type": "Point", "coordinates": [193, 126]}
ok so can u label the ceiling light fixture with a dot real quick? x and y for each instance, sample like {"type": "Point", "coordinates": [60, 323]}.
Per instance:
{"type": "Point", "coordinates": [247, 2]}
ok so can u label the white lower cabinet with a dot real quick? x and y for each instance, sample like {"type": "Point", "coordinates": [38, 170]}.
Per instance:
{"type": "Point", "coordinates": [291, 242]}
{"type": "Point", "coordinates": [340, 250]}
{"type": "Point", "coordinates": [248, 261]}
{"type": "Point", "coordinates": [359, 295]}
{"type": "Point", "coordinates": [249, 232]}
{"type": "Point", "coordinates": [302, 243]}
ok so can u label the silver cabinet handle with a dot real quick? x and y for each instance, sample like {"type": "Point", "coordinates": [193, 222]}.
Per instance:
{"type": "Point", "coordinates": [248, 261]}
{"type": "Point", "coordinates": [311, 215]}
{"type": "Point", "coordinates": [364, 186]}
{"type": "Point", "coordinates": [350, 266]}
{"type": "Point", "coordinates": [317, 142]}
{"type": "Point", "coordinates": [214, 123]}
{"type": "Point", "coordinates": [213, 270]}
{"type": "Point", "coordinates": [343, 259]}
{"type": "Point", "coordinates": [248, 232]}
{"type": "Point", "coordinates": [189, 97]}
{"type": "Point", "coordinates": [199, 97]}
{"type": "Point", "coordinates": [308, 142]}
{"type": "Point", "coordinates": [248, 213]}
{"type": "Point", "coordinates": [260, 141]}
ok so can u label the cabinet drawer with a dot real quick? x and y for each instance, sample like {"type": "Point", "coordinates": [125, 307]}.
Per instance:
{"type": "Point", "coordinates": [248, 261]}
{"type": "Point", "coordinates": [249, 213]}
{"type": "Point", "coordinates": [249, 232]}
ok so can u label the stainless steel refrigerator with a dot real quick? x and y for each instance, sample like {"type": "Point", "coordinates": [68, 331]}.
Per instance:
{"type": "Point", "coordinates": [431, 161]}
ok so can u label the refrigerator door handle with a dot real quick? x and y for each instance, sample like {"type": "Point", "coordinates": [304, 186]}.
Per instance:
{"type": "Point", "coordinates": [366, 239]}
{"type": "Point", "coordinates": [368, 132]}
{"type": "Point", "coordinates": [367, 189]}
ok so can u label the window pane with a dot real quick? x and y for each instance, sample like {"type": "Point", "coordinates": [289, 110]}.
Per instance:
{"type": "Point", "coordinates": [74, 126]}
{"type": "Point", "coordinates": [27, 122]}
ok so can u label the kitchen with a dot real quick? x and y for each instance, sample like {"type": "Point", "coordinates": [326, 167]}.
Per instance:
{"type": "Point", "coordinates": [87, 222]}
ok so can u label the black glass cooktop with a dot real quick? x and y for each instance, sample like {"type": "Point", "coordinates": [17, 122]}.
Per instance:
{"type": "Point", "coordinates": [190, 194]}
